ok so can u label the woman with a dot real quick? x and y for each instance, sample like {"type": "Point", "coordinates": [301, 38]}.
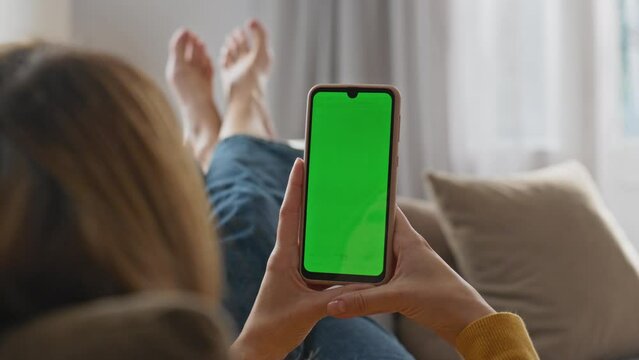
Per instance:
{"type": "Point", "coordinates": [93, 176]}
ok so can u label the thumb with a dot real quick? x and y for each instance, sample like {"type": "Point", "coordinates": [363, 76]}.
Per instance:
{"type": "Point", "coordinates": [288, 225]}
{"type": "Point", "coordinates": [365, 302]}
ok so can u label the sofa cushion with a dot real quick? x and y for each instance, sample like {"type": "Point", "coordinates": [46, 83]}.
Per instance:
{"type": "Point", "coordinates": [544, 245]}
{"type": "Point", "coordinates": [146, 326]}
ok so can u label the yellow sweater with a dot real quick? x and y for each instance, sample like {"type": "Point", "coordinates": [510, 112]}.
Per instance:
{"type": "Point", "coordinates": [500, 336]}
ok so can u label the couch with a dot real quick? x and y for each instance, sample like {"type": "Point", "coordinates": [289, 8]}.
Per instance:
{"type": "Point", "coordinates": [177, 326]}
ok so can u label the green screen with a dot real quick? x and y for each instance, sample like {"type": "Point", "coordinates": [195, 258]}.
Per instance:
{"type": "Point", "coordinates": [347, 189]}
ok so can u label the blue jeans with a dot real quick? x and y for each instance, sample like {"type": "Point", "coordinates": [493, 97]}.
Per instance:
{"type": "Point", "coordinates": [245, 185]}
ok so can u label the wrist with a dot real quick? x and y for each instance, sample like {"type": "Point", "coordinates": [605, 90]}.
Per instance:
{"type": "Point", "coordinates": [239, 351]}
{"type": "Point", "coordinates": [243, 350]}
{"type": "Point", "coordinates": [464, 312]}
{"type": "Point", "coordinates": [248, 346]}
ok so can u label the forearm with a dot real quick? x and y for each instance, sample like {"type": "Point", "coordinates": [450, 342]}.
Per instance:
{"type": "Point", "coordinates": [500, 336]}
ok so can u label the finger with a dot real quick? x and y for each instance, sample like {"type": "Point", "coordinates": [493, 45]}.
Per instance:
{"type": "Point", "coordinates": [322, 297]}
{"type": "Point", "coordinates": [288, 227]}
{"type": "Point", "coordinates": [329, 294]}
{"type": "Point", "coordinates": [375, 300]}
{"type": "Point", "coordinates": [404, 234]}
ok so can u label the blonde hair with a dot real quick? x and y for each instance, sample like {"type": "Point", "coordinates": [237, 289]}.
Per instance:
{"type": "Point", "coordinates": [97, 194]}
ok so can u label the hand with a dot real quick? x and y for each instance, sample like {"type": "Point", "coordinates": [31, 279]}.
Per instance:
{"type": "Point", "coordinates": [286, 309]}
{"type": "Point", "coordinates": [423, 288]}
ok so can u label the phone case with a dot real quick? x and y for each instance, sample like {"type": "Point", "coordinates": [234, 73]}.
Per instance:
{"type": "Point", "coordinates": [389, 258]}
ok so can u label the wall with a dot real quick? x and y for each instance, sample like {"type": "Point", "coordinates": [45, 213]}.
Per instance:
{"type": "Point", "coordinates": [139, 30]}
{"type": "Point", "coordinates": [40, 19]}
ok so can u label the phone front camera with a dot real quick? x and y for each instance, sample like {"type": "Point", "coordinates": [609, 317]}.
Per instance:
{"type": "Point", "coordinates": [352, 94]}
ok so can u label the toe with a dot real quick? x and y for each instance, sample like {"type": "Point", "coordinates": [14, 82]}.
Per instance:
{"type": "Point", "coordinates": [225, 58]}
{"type": "Point", "coordinates": [178, 43]}
{"type": "Point", "coordinates": [231, 48]}
{"type": "Point", "coordinates": [259, 33]}
{"type": "Point", "coordinates": [260, 46]}
{"type": "Point", "coordinates": [206, 58]}
{"type": "Point", "coordinates": [199, 52]}
{"type": "Point", "coordinates": [242, 42]}
{"type": "Point", "coordinates": [208, 68]}
{"type": "Point", "coordinates": [189, 52]}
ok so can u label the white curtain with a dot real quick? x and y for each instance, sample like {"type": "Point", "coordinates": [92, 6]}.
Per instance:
{"type": "Point", "coordinates": [488, 86]}
{"type": "Point", "coordinates": [366, 41]}
{"type": "Point", "coordinates": [522, 84]}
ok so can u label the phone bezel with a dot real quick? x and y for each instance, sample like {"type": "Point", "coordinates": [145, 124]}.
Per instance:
{"type": "Point", "coordinates": [334, 278]}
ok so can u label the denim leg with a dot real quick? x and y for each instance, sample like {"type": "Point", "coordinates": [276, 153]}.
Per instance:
{"type": "Point", "coordinates": [352, 339]}
{"type": "Point", "coordinates": [245, 185]}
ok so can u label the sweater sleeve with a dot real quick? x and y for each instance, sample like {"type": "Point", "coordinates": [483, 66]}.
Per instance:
{"type": "Point", "coordinates": [500, 336]}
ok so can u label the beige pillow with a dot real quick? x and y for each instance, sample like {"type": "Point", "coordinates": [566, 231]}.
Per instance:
{"type": "Point", "coordinates": [544, 245]}
{"type": "Point", "coordinates": [159, 326]}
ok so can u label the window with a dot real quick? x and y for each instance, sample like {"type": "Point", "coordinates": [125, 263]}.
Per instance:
{"type": "Point", "coordinates": [629, 11]}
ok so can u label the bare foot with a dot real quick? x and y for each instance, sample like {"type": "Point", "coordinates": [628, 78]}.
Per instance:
{"type": "Point", "coordinates": [190, 74]}
{"type": "Point", "coordinates": [245, 67]}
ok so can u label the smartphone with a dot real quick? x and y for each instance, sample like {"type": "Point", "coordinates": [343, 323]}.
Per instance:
{"type": "Point", "coordinates": [348, 208]}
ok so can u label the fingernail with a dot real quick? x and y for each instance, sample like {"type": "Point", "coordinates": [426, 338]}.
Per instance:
{"type": "Point", "coordinates": [336, 307]}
